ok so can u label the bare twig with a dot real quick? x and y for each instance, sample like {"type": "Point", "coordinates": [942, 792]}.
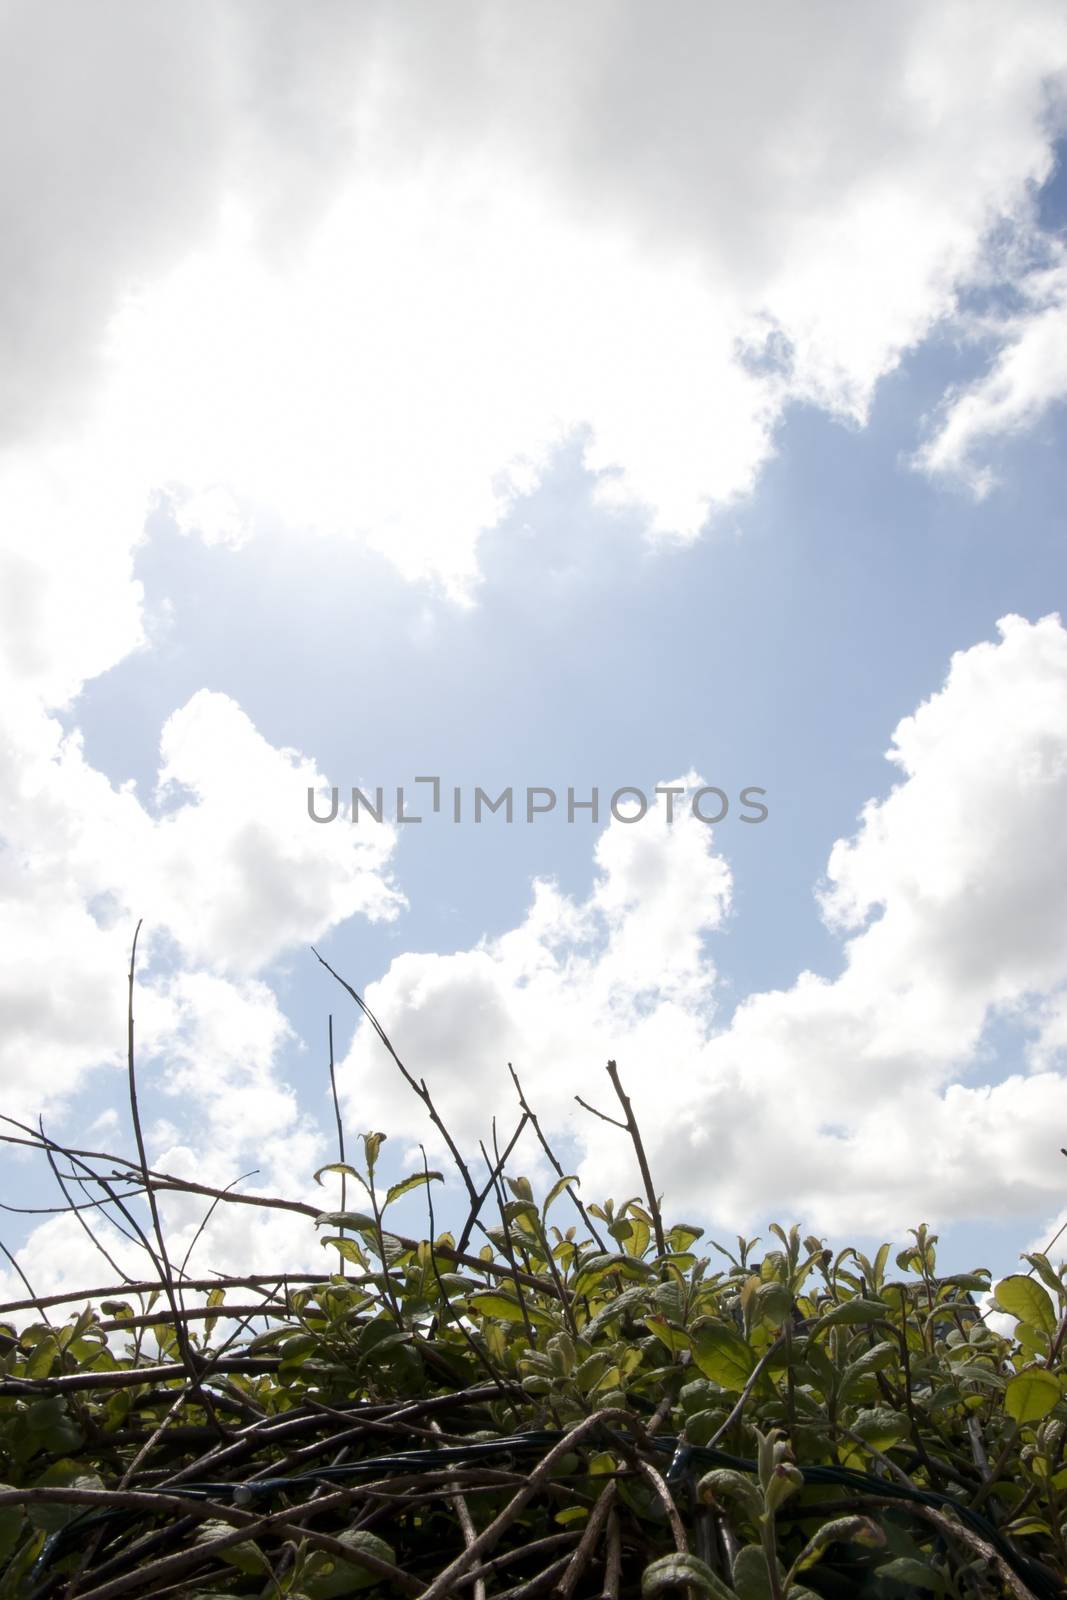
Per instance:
{"type": "Point", "coordinates": [475, 1209]}
{"type": "Point", "coordinates": [642, 1160]}
{"type": "Point", "coordinates": [588, 1542]}
{"type": "Point", "coordinates": [340, 1137]}
{"type": "Point", "coordinates": [551, 1154]}
{"type": "Point", "coordinates": [417, 1085]}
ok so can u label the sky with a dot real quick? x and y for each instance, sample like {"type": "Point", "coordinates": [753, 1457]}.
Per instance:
{"type": "Point", "coordinates": [581, 398]}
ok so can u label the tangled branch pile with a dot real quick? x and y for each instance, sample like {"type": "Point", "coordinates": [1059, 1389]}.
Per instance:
{"type": "Point", "coordinates": [589, 1410]}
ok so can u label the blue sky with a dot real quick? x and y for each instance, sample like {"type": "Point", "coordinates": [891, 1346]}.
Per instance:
{"type": "Point", "coordinates": [475, 518]}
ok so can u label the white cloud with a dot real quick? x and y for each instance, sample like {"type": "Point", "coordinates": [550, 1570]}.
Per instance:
{"type": "Point", "coordinates": [361, 270]}
{"type": "Point", "coordinates": [405, 255]}
{"type": "Point", "coordinates": [555, 993]}
{"type": "Point", "coordinates": [856, 1103]}
{"type": "Point", "coordinates": [232, 875]}
{"type": "Point", "coordinates": [1028, 375]}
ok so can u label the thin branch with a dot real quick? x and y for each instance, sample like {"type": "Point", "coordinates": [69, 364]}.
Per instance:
{"type": "Point", "coordinates": [551, 1154]}
{"type": "Point", "coordinates": [615, 1123]}
{"type": "Point", "coordinates": [475, 1210]}
{"type": "Point", "coordinates": [418, 1085]}
{"type": "Point", "coordinates": [340, 1137]}
{"type": "Point", "coordinates": [642, 1159]}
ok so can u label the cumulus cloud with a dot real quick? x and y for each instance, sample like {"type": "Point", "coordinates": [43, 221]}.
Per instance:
{"type": "Point", "coordinates": [361, 270]}
{"type": "Point", "coordinates": [228, 877]}
{"type": "Point", "coordinates": [856, 1102]}
{"type": "Point", "coordinates": [1028, 375]}
{"type": "Point", "coordinates": [405, 255]}
{"type": "Point", "coordinates": [628, 962]}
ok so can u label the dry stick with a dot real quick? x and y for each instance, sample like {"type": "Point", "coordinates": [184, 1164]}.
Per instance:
{"type": "Point", "coordinates": [208, 1214]}
{"type": "Point", "coordinates": [460, 1324]}
{"type": "Point", "coordinates": [166, 1181]}
{"type": "Point", "coordinates": [111, 1290]}
{"type": "Point", "coordinates": [742, 1399]}
{"type": "Point", "coordinates": [89, 1553]}
{"type": "Point", "coordinates": [522, 1552]}
{"type": "Point", "coordinates": [466, 1522]}
{"type": "Point", "coordinates": [42, 1141]}
{"type": "Point", "coordinates": [33, 1303]}
{"type": "Point", "coordinates": [501, 1201]}
{"type": "Point", "coordinates": [288, 1554]}
{"type": "Point", "coordinates": [535, 1585]}
{"type": "Point", "coordinates": [76, 1209]}
{"type": "Point", "coordinates": [130, 1377]}
{"type": "Point", "coordinates": [212, 1361]}
{"type": "Point", "coordinates": [135, 1234]}
{"type": "Point", "coordinates": [666, 1499]}
{"type": "Point", "coordinates": [613, 1563]}
{"type": "Point", "coordinates": [164, 1263]}
{"type": "Point", "coordinates": [278, 1428]}
{"type": "Point", "coordinates": [173, 1296]}
{"type": "Point", "coordinates": [515, 1507]}
{"type": "Point", "coordinates": [980, 1547]}
{"type": "Point", "coordinates": [551, 1154]}
{"type": "Point", "coordinates": [61, 1211]}
{"type": "Point", "coordinates": [246, 1524]}
{"type": "Point", "coordinates": [195, 1314]}
{"type": "Point", "coordinates": [340, 1139]}
{"type": "Point", "coordinates": [34, 1143]}
{"type": "Point", "coordinates": [591, 1534]}
{"type": "Point", "coordinates": [475, 1210]}
{"type": "Point", "coordinates": [564, 1298]}
{"type": "Point", "coordinates": [642, 1159]}
{"type": "Point", "coordinates": [419, 1086]}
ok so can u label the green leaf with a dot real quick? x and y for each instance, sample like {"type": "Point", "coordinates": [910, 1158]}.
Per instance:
{"type": "Point", "coordinates": [771, 1304]}
{"type": "Point", "coordinates": [11, 1525]}
{"type": "Point", "coordinates": [597, 1267]}
{"type": "Point", "coordinates": [406, 1185]}
{"type": "Point", "coordinates": [42, 1357]}
{"type": "Point", "coordinates": [337, 1166]}
{"type": "Point", "coordinates": [57, 1431]}
{"type": "Point", "coordinates": [1025, 1300]}
{"type": "Point", "coordinates": [555, 1192]}
{"type": "Point", "coordinates": [215, 1298]}
{"type": "Point", "coordinates": [1024, 1525]}
{"type": "Point", "coordinates": [751, 1578]}
{"type": "Point", "coordinates": [1031, 1395]}
{"type": "Point", "coordinates": [723, 1483]}
{"type": "Point", "coordinates": [906, 1569]}
{"type": "Point", "coordinates": [1045, 1271]}
{"type": "Point", "coordinates": [851, 1530]}
{"type": "Point", "coordinates": [247, 1557]}
{"type": "Point", "coordinates": [971, 1282]}
{"type": "Point", "coordinates": [676, 1571]}
{"type": "Point", "coordinates": [372, 1143]}
{"type": "Point", "coordinates": [723, 1356]}
{"type": "Point", "coordinates": [345, 1219]}
{"type": "Point", "coordinates": [298, 1346]}
{"type": "Point", "coordinates": [633, 1234]}
{"type": "Point", "coordinates": [675, 1339]}
{"type": "Point", "coordinates": [347, 1248]}
{"type": "Point", "coordinates": [507, 1307]}
{"type": "Point", "coordinates": [520, 1188]}
{"type": "Point", "coordinates": [64, 1474]}
{"type": "Point", "coordinates": [880, 1427]}
{"type": "Point", "coordinates": [850, 1312]}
